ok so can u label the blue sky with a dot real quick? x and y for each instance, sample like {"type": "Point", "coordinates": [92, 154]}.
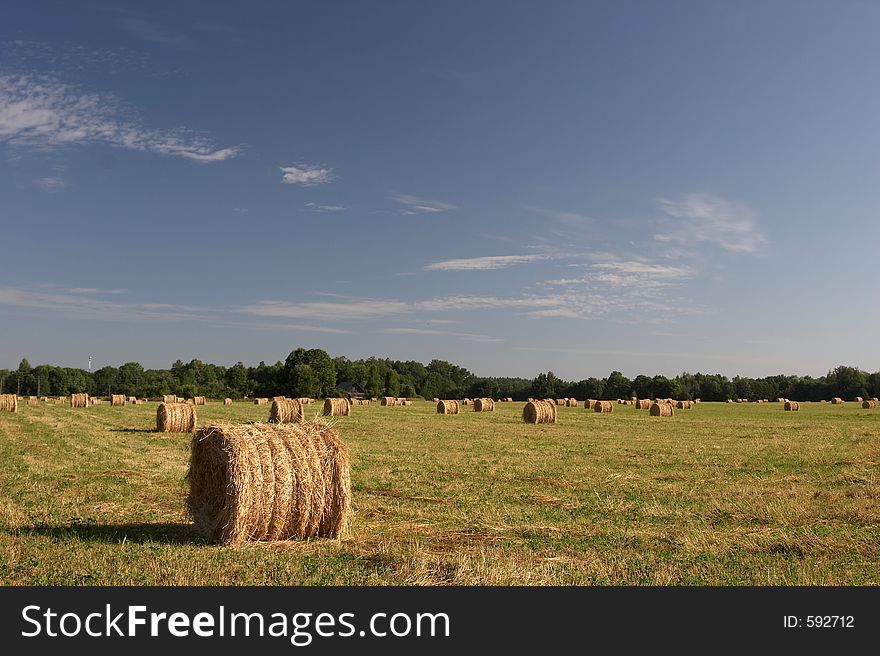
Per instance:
{"type": "Point", "coordinates": [514, 187]}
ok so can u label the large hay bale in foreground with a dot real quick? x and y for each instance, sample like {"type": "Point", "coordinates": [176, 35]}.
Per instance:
{"type": "Point", "coordinates": [117, 399]}
{"type": "Point", "coordinates": [336, 408]}
{"type": "Point", "coordinates": [447, 407]}
{"type": "Point", "coordinates": [539, 412]}
{"type": "Point", "coordinates": [269, 482]}
{"type": "Point", "coordinates": [870, 404]}
{"type": "Point", "coordinates": [286, 411]}
{"type": "Point", "coordinates": [79, 400]}
{"type": "Point", "coordinates": [389, 401]}
{"type": "Point", "coordinates": [603, 406]}
{"type": "Point", "coordinates": [662, 410]}
{"type": "Point", "coordinates": [484, 405]}
{"type": "Point", "coordinates": [176, 418]}
{"type": "Point", "coordinates": [643, 404]}
{"type": "Point", "coordinates": [8, 403]}
{"type": "Point", "coordinates": [792, 405]}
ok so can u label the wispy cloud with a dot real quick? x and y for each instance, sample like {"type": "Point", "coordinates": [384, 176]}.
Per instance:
{"type": "Point", "coordinates": [571, 219]}
{"type": "Point", "coordinates": [484, 263]}
{"type": "Point", "coordinates": [414, 205]}
{"type": "Point", "coordinates": [314, 207]}
{"type": "Point", "coordinates": [306, 175]}
{"type": "Point", "coordinates": [241, 210]}
{"type": "Point", "coordinates": [93, 290]}
{"type": "Point", "coordinates": [50, 185]}
{"type": "Point", "coordinates": [155, 33]}
{"type": "Point", "coordinates": [435, 332]}
{"type": "Point", "coordinates": [42, 112]}
{"type": "Point", "coordinates": [706, 218]}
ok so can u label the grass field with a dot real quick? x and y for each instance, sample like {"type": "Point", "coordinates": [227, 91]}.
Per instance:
{"type": "Point", "coordinates": [725, 494]}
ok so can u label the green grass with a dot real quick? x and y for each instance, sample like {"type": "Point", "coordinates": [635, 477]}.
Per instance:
{"type": "Point", "coordinates": [735, 494]}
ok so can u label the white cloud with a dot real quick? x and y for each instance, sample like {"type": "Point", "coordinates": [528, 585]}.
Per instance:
{"type": "Point", "coordinates": [416, 205]}
{"type": "Point", "coordinates": [706, 218]}
{"type": "Point", "coordinates": [42, 112]}
{"type": "Point", "coordinates": [51, 185]}
{"type": "Point", "coordinates": [314, 207]}
{"type": "Point", "coordinates": [572, 219]}
{"type": "Point", "coordinates": [92, 290]}
{"type": "Point", "coordinates": [306, 175]}
{"type": "Point", "coordinates": [484, 263]}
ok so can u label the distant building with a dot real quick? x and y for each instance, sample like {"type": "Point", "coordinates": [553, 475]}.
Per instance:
{"type": "Point", "coordinates": [351, 390]}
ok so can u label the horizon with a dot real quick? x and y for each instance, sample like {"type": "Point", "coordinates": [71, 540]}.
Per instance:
{"type": "Point", "coordinates": [514, 189]}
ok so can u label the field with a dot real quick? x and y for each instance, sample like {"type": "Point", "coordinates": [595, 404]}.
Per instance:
{"type": "Point", "coordinates": [725, 494]}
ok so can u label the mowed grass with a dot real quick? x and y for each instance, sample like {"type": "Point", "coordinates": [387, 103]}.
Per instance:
{"type": "Point", "coordinates": [725, 494]}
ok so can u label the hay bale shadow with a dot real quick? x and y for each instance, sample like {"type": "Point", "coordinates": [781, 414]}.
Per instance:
{"type": "Point", "coordinates": [138, 533]}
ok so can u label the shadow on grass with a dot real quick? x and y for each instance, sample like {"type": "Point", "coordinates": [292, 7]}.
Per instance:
{"type": "Point", "coordinates": [163, 533]}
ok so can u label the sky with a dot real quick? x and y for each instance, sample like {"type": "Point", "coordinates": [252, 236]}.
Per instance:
{"type": "Point", "coordinates": [515, 187]}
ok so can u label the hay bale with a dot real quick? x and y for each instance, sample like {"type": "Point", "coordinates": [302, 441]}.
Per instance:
{"type": "Point", "coordinates": [870, 404]}
{"type": "Point", "coordinates": [484, 405]}
{"type": "Point", "coordinates": [684, 405]}
{"type": "Point", "coordinates": [61, 400]}
{"type": "Point", "coordinates": [779, 399]}
{"type": "Point", "coordinates": [590, 404]}
{"type": "Point", "coordinates": [286, 411]}
{"type": "Point", "coordinates": [643, 404]}
{"type": "Point", "coordinates": [32, 400]}
{"type": "Point", "coordinates": [539, 412]}
{"type": "Point", "coordinates": [131, 399]}
{"type": "Point", "coordinates": [227, 401]}
{"type": "Point", "coordinates": [176, 418]}
{"type": "Point", "coordinates": [336, 408]}
{"type": "Point", "coordinates": [662, 410]}
{"type": "Point", "coordinates": [389, 401]}
{"type": "Point", "coordinates": [200, 400]}
{"type": "Point", "coordinates": [261, 401]}
{"type": "Point", "coordinates": [95, 401]}
{"type": "Point", "coordinates": [117, 399]}
{"type": "Point", "coordinates": [406, 402]}
{"type": "Point", "coordinates": [447, 407]}
{"type": "Point", "coordinates": [8, 403]}
{"type": "Point", "coordinates": [792, 405]}
{"type": "Point", "coordinates": [169, 398]}
{"type": "Point", "coordinates": [837, 401]}
{"type": "Point", "coordinates": [571, 403]}
{"type": "Point", "coordinates": [269, 482]}
{"type": "Point", "coordinates": [603, 406]}
{"type": "Point", "coordinates": [79, 400]}
{"type": "Point", "coordinates": [466, 402]}
{"type": "Point", "coordinates": [858, 399]}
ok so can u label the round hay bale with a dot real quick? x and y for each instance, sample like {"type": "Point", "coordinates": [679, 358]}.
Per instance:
{"type": "Point", "coordinates": [79, 400]}
{"type": "Point", "coordinates": [132, 400]}
{"type": "Point", "coordinates": [870, 404]}
{"type": "Point", "coordinates": [590, 404]}
{"type": "Point", "coordinates": [227, 401]}
{"type": "Point", "coordinates": [643, 404]}
{"type": "Point", "coordinates": [539, 412]}
{"type": "Point", "coordinates": [792, 405]}
{"type": "Point", "coordinates": [176, 418]}
{"type": "Point", "coordinates": [484, 405]}
{"type": "Point", "coordinates": [662, 410]}
{"type": "Point", "coordinates": [837, 400]}
{"type": "Point", "coordinates": [684, 405]}
{"type": "Point", "coordinates": [261, 401]}
{"type": "Point", "coordinates": [447, 407]}
{"type": "Point", "coordinates": [388, 401]}
{"type": "Point", "coordinates": [466, 402]}
{"type": "Point", "coordinates": [858, 399]}
{"type": "Point", "coordinates": [200, 400]}
{"type": "Point", "coordinates": [336, 408]}
{"type": "Point", "coordinates": [407, 402]}
{"type": "Point", "coordinates": [269, 482]}
{"type": "Point", "coordinates": [571, 403]}
{"type": "Point", "coordinates": [603, 406]}
{"type": "Point", "coordinates": [117, 399]}
{"type": "Point", "coordinates": [32, 400]}
{"type": "Point", "coordinates": [169, 398]}
{"type": "Point", "coordinates": [8, 403]}
{"type": "Point", "coordinates": [286, 411]}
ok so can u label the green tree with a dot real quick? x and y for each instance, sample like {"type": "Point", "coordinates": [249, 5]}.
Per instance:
{"type": "Point", "coordinates": [392, 383]}
{"type": "Point", "coordinates": [374, 386]}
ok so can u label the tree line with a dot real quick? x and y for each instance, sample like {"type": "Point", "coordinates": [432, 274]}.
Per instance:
{"type": "Point", "coordinates": [313, 373]}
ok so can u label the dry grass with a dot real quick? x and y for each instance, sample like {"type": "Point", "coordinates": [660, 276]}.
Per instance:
{"type": "Point", "coordinates": [176, 418]}
{"type": "Point", "coordinates": [269, 482]}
